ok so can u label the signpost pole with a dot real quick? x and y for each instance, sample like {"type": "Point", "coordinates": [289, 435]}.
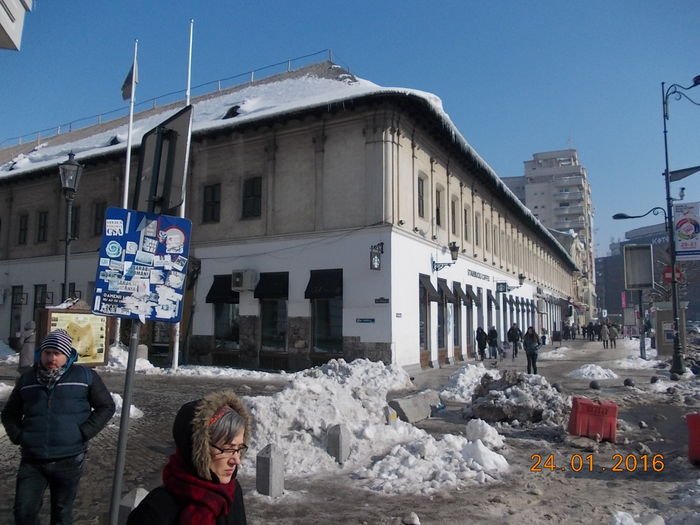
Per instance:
{"type": "Point", "coordinates": [642, 336]}
{"type": "Point", "coordinates": [124, 424]}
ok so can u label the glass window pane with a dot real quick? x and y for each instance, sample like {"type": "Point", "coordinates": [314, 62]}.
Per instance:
{"type": "Point", "coordinates": [328, 325]}
{"type": "Point", "coordinates": [273, 319]}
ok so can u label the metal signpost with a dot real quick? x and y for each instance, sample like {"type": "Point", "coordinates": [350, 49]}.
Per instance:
{"type": "Point", "coordinates": [140, 276]}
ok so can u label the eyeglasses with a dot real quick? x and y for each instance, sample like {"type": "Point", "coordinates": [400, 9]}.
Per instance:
{"type": "Point", "coordinates": [230, 452]}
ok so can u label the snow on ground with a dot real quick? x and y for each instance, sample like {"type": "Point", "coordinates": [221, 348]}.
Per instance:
{"type": "Point", "coordinates": [558, 353]}
{"type": "Point", "coordinates": [134, 413]}
{"type": "Point", "coordinates": [462, 383]}
{"type": "Point", "coordinates": [591, 371]}
{"type": "Point", "coordinates": [396, 458]}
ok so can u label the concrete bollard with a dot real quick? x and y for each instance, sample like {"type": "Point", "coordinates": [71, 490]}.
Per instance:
{"type": "Point", "coordinates": [338, 444]}
{"type": "Point", "coordinates": [129, 503]}
{"type": "Point", "coordinates": [269, 471]}
{"type": "Point", "coordinates": [142, 352]}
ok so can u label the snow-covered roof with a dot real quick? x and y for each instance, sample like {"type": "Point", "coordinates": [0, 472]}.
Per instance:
{"type": "Point", "coordinates": [321, 85]}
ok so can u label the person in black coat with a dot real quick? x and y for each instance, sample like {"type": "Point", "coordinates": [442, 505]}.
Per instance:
{"type": "Point", "coordinates": [514, 335]}
{"type": "Point", "coordinates": [481, 342]}
{"type": "Point", "coordinates": [55, 408]}
{"type": "Point", "coordinates": [199, 480]}
{"type": "Point", "coordinates": [531, 343]}
{"type": "Point", "coordinates": [492, 338]}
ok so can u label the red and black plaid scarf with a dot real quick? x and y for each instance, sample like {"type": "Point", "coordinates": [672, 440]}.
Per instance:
{"type": "Point", "coordinates": [204, 501]}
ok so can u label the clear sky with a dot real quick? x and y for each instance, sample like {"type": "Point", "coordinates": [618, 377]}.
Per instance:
{"type": "Point", "coordinates": [516, 77]}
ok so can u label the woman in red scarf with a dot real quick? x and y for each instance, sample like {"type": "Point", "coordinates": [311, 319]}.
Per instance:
{"type": "Point", "coordinates": [199, 480]}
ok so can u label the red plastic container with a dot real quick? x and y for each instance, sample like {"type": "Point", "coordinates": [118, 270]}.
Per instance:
{"type": "Point", "coordinates": [693, 437]}
{"type": "Point", "coordinates": [590, 418]}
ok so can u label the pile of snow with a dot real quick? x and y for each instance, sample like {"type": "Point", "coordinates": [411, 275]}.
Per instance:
{"type": "Point", "coordinates": [396, 458]}
{"type": "Point", "coordinates": [529, 394]}
{"type": "Point", "coordinates": [134, 413]}
{"type": "Point", "coordinates": [462, 383]}
{"type": "Point", "coordinates": [489, 436]}
{"type": "Point", "coordinates": [6, 351]}
{"type": "Point", "coordinates": [119, 357]}
{"type": "Point", "coordinates": [591, 371]}
{"type": "Point", "coordinates": [5, 390]}
{"type": "Point", "coordinates": [559, 353]}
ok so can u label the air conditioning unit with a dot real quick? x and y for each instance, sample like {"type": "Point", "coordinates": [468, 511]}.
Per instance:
{"type": "Point", "coordinates": [242, 280]}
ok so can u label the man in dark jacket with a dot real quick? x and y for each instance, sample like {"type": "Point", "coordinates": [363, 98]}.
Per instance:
{"type": "Point", "coordinates": [52, 412]}
{"type": "Point", "coordinates": [514, 337]}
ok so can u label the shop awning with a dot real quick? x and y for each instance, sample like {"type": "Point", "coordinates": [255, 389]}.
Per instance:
{"type": "Point", "coordinates": [446, 292]}
{"type": "Point", "coordinates": [430, 291]}
{"type": "Point", "coordinates": [325, 284]}
{"type": "Point", "coordinates": [516, 302]}
{"type": "Point", "coordinates": [470, 292]}
{"type": "Point", "coordinates": [492, 300]}
{"type": "Point", "coordinates": [272, 285]}
{"type": "Point", "coordinates": [459, 293]}
{"type": "Point", "coordinates": [220, 291]}
{"type": "Point", "coordinates": [507, 299]}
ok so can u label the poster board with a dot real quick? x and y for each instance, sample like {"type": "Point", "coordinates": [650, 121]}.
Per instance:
{"type": "Point", "coordinates": [90, 333]}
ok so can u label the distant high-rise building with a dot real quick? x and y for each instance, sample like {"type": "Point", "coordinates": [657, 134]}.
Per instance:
{"type": "Point", "coordinates": [555, 188]}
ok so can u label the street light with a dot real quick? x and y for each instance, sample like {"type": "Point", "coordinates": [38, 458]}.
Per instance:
{"type": "Point", "coordinates": [69, 173]}
{"type": "Point", "coordinates": [454, 253]}
{"type": "Point", "coordinates": [677, 364]}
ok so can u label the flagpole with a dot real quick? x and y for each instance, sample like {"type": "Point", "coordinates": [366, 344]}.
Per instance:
{"type": "Point", "coordinates": [127, 168]}
{"type": "Point", "coordinates": [176, 328]}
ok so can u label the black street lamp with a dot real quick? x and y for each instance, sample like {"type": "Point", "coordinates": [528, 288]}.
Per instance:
{"type": "Point", "coordinates": [69, 172]}
{"type": "Point", "coordinates": [677, 364]}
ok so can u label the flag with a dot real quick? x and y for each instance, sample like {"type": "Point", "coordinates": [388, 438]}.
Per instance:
{"type": "Point", "coordinates": [131, 78]}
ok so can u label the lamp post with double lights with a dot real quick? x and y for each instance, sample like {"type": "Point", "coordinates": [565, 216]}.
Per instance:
{"type": "Point", "coordinates": [678, 91]}
{"type": "Point", "coordinates": [69, 172]}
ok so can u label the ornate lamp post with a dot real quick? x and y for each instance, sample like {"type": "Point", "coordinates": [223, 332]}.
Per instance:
{"type": "Point", "coordinates": [677, 365]}
{"type": "Point", "coordinates": [69, 172]}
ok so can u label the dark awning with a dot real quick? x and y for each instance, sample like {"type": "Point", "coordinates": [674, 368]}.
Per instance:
{"type": "Point", "coordinates": [325, 284]}
{"type": "Point", "coordinates": [470, 292]}
{"type": "Point", "coordinates": [220, 291]}
{"type": "Point", "coordinates": [459, 293]}
{"type": "Point", "coordinates": [516, 302]}
{"type": "Point", "coordinates": [273, 285]}
{"type": "Point", "coordinates": [507, 299]}
{"type": "Point", "coordinates": [492, 300]}
{"type": "Point", "coordinates": [431, 292]}
{"type": "Point", "coordinates": [446, 292]}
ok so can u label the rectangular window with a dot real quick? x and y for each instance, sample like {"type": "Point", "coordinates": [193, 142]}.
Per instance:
{"type": "Point", "coordinates": [39, 295]}
{"type": "Point", "coordinates": [487, 235]}
{"type": "Point", "coordinates": [421, 197]}
{"type": "Point", "coordinates": [75, 222]}
{"type": "Point", "coordinates": [477, 229]}
{"type": "Point", "coordinates": [467, 223]}
{"type": "Point", "coordinates": [23, 225]}
{"type": "Point", "coordinates": [227, 322]}
{"type": "Point", "coordinates": [438, 198]}
{"type": "Point", "coordinates": [98, 223]}
{"type": "Point", "coordinates": [252, 197]}
{"type": "Point", "coordinates": [328, 325]}
{"type": "Point", "coordinates": [273, 324]}
{"type": "Point", "coordinates": [456, 322]}
{"type": "Point", "coordinates": [211, 204]}
{"type": "Point", "coordinates": [42, 226]}
{"type": "Point", "coordinates": [453, 217]}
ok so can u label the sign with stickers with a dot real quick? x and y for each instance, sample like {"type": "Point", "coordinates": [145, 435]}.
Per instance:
{"type": "Point", "coordinates": [142, 267]}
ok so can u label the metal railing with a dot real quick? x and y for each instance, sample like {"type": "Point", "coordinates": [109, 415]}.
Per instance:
{"type": "Point", "coordinates": [248, 77]}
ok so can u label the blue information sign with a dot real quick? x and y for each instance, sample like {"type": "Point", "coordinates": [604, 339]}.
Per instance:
{"type": "Point", "coordinates": [142, 268]}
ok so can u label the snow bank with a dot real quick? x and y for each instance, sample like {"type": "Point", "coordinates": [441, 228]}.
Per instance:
{"type": "Point", "coordinates": [462, 383]}
{"type": "Point", "coordinates": [591, 371]}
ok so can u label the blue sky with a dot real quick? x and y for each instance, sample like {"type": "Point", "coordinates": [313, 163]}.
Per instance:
{"type": "Point", "coordinates": [516, 77]}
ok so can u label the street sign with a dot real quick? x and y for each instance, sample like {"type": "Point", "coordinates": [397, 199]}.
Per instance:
{"type": "Point", "coordinates": [141, 270]}
{"type": "Point", "coordinates": [667, 274]}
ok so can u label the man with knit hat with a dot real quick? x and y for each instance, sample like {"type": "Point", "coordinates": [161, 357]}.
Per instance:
{"type": "Point", "coordinates": [55, 408]}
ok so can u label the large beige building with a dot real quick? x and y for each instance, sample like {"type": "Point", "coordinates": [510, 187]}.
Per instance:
{"type": "Point", "coordinates": [555, 188]}
{"type": "Point", "coordinates": [331, 218]}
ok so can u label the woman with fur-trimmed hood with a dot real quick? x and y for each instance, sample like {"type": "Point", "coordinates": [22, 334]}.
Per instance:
{"type": "Point", "coordinates": [199, 480]}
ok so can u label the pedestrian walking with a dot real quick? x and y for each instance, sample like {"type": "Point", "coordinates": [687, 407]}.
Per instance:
{"type": "Point", "coordinates": [199, 480]}
{"type": "Point", "coordinates": [604, 335]}
{"type": "Point", "coordinates": [481, 342]}
{"type": "Point", "coordinates": [591, 331]}
{"type": "Point", "coordinates": [514, 336]}
{"type": "Point", "coordinates": [54, 409]}
{"type": "Point", "coordinates": [28, 341]}
{"type": "Point", "coordinates": [613, 334]}
{"type": "Point", "coordinates": [492, 339]}
{"type": "Point", "coordinates": [531, 344]}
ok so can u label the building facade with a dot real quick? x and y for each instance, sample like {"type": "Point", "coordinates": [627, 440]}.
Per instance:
{"type": "Point", "coordinates": [320, 207]}
{"type": "Point", "coordinates": [555, 188]}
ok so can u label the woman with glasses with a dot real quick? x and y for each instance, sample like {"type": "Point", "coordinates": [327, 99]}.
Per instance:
{"type": "Point", "coordinates": [199, 480]}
